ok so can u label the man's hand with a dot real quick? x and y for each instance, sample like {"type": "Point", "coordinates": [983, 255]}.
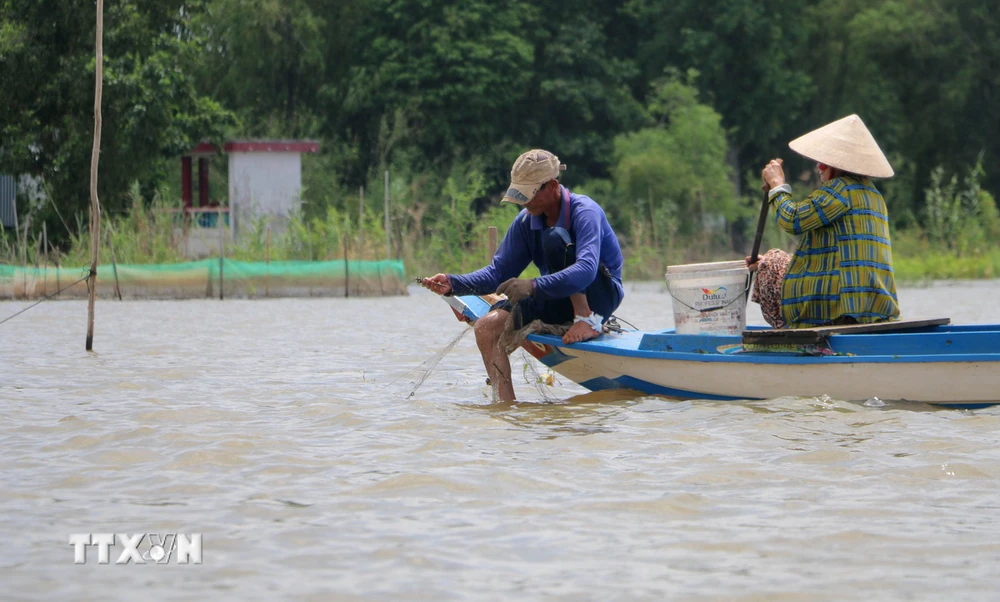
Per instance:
{"type": "Point", "coordinates": [773, 175]}
{"type": "Point", "coordinates": [439, 283]}
{"type": "Point", "coordinates": [516, 289]}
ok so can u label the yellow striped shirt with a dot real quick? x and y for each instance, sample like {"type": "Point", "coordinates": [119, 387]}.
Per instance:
{"type": "Point", "coordinates": [843, 265]}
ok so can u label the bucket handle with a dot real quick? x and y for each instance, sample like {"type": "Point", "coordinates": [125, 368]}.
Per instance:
{"type": "Point", "coordinates": [746, 289]}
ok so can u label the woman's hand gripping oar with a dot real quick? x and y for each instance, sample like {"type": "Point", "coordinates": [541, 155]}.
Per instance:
{"type": "Point", "coordinates": [765, 207]}
{"type": "Point", "coordinates": [761, 222]}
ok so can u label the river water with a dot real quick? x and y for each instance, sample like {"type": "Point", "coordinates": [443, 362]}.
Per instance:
{"type": "Point", "coordinates": [292, 435]}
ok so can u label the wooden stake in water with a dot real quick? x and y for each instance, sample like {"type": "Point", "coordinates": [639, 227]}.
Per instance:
{"type": "Point", "coordinates": [95, 206]}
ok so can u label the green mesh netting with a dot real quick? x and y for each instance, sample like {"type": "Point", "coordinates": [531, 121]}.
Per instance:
{"type": "Point", "coordinates": [199, 279]}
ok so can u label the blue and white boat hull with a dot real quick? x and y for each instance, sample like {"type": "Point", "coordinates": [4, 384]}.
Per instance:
{"type": "Point", "coordinates": [598, 366]}
{"type": "Point", "coordinates": [943, 365]}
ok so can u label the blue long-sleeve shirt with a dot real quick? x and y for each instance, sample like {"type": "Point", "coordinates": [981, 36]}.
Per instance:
{"type": "Point", "coordinates": [594, 240]}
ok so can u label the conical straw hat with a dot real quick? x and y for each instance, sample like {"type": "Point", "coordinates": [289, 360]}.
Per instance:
{"type": "Point", "coordinates": [845, 144]}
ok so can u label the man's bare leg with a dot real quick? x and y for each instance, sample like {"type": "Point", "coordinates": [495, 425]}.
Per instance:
{"type": "Point", "coordinates": [580, 331]}
{"type": "Point", "coordinates": [489, 329]}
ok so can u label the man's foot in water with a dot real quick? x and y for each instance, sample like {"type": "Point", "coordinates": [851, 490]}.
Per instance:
{"type": "Point", "coordinates": [580, 331]}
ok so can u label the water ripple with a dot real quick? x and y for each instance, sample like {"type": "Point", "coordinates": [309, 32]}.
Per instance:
{"type": "Point", "coordinates": [292, 435]}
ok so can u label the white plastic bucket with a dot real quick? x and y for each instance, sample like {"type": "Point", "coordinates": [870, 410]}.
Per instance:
{"type": "Point", "coordinates": [709, 298]}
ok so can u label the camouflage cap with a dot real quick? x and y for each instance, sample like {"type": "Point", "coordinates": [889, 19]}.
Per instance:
{"type": "Point", "coordinates": [531, 170]}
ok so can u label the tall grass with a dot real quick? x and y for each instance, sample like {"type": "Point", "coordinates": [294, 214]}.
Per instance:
{"type": "Point", "coordinates": [458, 242]}
{"type": "Point", "coordinates": [918, 258]}
{"type": "Point", "coordinates": [143, 235]}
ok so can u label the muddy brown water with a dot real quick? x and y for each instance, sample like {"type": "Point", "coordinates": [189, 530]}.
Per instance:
{"type": "Point", "coordinates": [285, 432]}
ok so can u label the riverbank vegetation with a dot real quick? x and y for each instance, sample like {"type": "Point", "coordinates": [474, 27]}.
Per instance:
{"type": "Point", "coordinates": [960, 244]}
{"type": "Point", "coordinates": [664, 110]}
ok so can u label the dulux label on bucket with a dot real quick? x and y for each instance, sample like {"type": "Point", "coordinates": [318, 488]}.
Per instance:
{"type": "Point", "coordinates": [712, 297]}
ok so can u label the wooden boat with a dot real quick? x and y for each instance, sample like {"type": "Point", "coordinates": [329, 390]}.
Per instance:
{"type": "Point", "coordinates": [928, 361]}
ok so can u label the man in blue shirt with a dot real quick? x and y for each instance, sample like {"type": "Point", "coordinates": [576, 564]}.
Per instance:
{"type": "Point", "coordinates": [569, 239]}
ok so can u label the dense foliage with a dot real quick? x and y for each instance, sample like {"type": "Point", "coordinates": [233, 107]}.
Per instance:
{"type": "Point", "coordinates": [665, 110]}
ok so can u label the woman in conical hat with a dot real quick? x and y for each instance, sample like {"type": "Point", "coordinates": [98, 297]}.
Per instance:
{"type": "Point", "coordinates": [841, 272]}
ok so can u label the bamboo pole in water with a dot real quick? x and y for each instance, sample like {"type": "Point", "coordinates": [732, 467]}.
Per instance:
{"type": "Point", "coordinates": [95, 206]}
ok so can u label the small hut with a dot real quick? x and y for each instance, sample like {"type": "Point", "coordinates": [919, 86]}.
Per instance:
{"type": "Point", "coordinates": [265, 180]}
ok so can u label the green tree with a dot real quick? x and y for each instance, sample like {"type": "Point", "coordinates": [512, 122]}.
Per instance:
{"type": "Point", "coordinates": [454, 71]}
{"type": "Point", "coordinates": [267, 61]}
{"type": "Point", "coordinates": [580, 96]}
{"type": "Point", "coordinates": [746, 53]}
{"type": "Point", "coordinates": [924, 76]}
{"type": "Point", "coordinates": [151, 110]}
{"type": "Point", "coordinates": [489, 80]}
{"type": "Point", "coordinates": [674, 174]}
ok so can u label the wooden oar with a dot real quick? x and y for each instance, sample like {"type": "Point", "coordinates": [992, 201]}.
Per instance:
{"type": "Point", "coordinates": [765, 206]}
{"type": "Point", "coordinates": [761, 222]}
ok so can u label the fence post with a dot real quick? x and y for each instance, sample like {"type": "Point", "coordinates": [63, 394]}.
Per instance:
{"type": "Point", "coordinates": [222, 256]}
{"type": "Point", "coordinates": [388, 247]}
{"type": "Point", "coordinates": [347, 275]}
{"type": "Point", "coordinates": [19, 250]}
{"type": "Point", "coordinates": [114, 263]}
{"type": "Point", "coordinates": [309, 243]}
{"type": "Point", "coordinates": [361, 206]}
{"type": "Point", "coordinates": [58, 263]}
{"type": "Point", "coordinates": [361, 222]}
{"type": "Point", "coordinates": [44, 252]}
{"type": "Point", "coordinates": [492, 244]}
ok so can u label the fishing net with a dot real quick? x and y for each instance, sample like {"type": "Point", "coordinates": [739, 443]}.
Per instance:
{"type": "Point", "coordinates": [200, 279]}
{"type": "Point", "coordinates": [512, 339]}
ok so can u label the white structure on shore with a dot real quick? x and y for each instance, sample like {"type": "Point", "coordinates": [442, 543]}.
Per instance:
{"type": "Point", "coordinates": [265, 179]}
